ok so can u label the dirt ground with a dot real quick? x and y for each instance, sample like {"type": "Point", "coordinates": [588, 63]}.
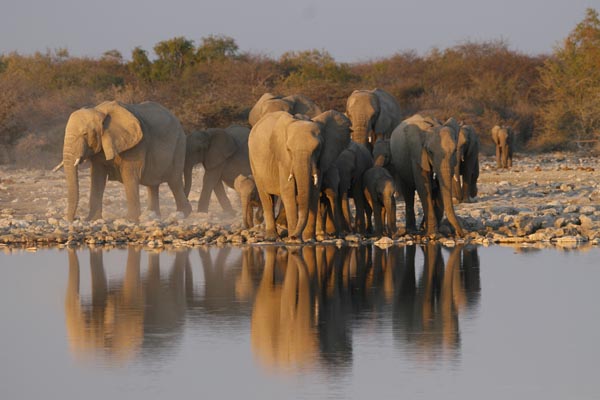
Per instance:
{"type": "Point", "coordinates": [552, 196]}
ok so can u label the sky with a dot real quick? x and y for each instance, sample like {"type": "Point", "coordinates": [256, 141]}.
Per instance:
{"type": "Point", "coordinates": [351, 31]}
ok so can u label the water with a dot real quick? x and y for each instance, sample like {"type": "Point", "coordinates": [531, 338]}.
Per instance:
{"type": "Point", "coordinates": [413, 322]}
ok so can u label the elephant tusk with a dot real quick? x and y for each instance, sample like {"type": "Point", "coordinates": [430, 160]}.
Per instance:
{"type": "Point", "coordinates": [315, 179]}
{"type": "Point", "coordinates": [290, 177]}
{"type": "Point", "coordinates": [77, 162]}
{"type": "Point", "coordinates": [59, 166]}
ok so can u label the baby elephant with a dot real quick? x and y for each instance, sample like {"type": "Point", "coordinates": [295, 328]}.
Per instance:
{"type": "Point", "coordinates": [246, 188]}
{"type": "Point", "coordinates": [378, 187]}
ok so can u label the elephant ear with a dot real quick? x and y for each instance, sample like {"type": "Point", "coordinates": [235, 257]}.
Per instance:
{"type": "Point", "coordinates": [335, 130]}
{"type": "Point", "coordinates": [256, 112]}
{"type": "Point", "coordinates": [301, 104]}
{"type": "Point", "coordinates": [222, 146]}
{"type": "Point", "coordinates": [121, 129]}
{"type": "Point", "coordinates": [389, 113]}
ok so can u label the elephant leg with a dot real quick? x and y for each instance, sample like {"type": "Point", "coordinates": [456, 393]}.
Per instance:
{"type": "Point", "coordinates": [97, 186]}
{"type": "Point", "coordinates": [313, 210]}
{"type": "Point", "coordinates": [345, 206]}
{"type": "Point", "coordinates": [267, 204]}
{"type": "Point", "coordinates": [409, 201]}
{"type": "Point", "coordinates": [223, 199]}
{"type": "Point", "coordinates": [246, 212]}
{"type": "Point", "coordinates": [181, 200]}
{"type": "Point", "coordinates": [131, 182]}
{"type": "Point", "coordinates": [321, 218]}
{"type": "Point", "coordinates": [498, 157]}
{"type": "Point", "coordinates": [153, 199]}
{"type": "Point", "coordinates": [359, 205]}
{"type": "Point", "coordinates": [377, 211]}
{"type": "Point", "coordinates": [390, 212]}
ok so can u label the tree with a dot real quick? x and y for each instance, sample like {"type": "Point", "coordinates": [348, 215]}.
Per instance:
{"type": "Point", "coordinates": [173, 56]}
{"type": "Point", "coordinates": [214, 48]}
{"type": "Point", "coordinates": [140, 65]}
{"type": "Point", "coordinates": [570, 84]}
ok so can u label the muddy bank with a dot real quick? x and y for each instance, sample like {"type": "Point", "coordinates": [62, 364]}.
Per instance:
{"type": "Point", "coordinates": [551, 199]}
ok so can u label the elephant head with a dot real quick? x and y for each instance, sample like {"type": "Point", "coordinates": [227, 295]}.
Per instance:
{"type": "Point", "coordinates": [209, 147]}
{"type": "Point", "coordinates": [439, 158]}
{"type": "Point", "coordinates": [374, 113]}
{"type": "Point", "coordinates": [293, 104]}
{"type": "Point", "coordinates": [107, 129]}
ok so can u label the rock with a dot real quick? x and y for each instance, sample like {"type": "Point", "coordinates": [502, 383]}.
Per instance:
{"type": "Point", "coordinates": [571, 209]}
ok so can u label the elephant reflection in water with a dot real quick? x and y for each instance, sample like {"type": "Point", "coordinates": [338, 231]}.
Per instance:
{"type": "Point", "coordinates": [121, 320]}
{"type": "Point", "coordinates": [426, 310]}
{"type": "Point", "coordinates": [283, 327]}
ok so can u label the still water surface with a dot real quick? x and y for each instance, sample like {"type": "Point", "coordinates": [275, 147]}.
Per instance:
{"type": "Point", "coordinates": [315, 322]}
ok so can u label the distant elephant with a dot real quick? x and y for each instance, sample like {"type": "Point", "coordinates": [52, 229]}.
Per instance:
{"type": "Point", "coordinates": [246, 188]}
{"type": "Point", "coordinates": [422, 158]}
{"type": "Point", "coordinates": [287, 157]}
{"type": "Point", "coordinates": [224, 155]}
{"type": "Point", "coordinates": [503, 137]}
{"type": "Point", "coordinates": [374, 114]}
{"type": "Point", "coordinates": [132, 143]}
{"type": "Point", "coordinates": [467, 167]}
{"type": "Point", "coordinates": [352, 164]}
{"type": "Point", "coordinates": [293, 104]}
{"type": "Point", "coordinates": [379, 189]}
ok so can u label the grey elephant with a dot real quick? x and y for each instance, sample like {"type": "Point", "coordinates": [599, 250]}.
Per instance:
{"type": "Point", "coordinates": [293, 104]}
{"type": "Point", "coordinates": [352, 164]}
{"type": "Point", "coordinates": [224, 155]}
{"type": "Point", "coordinates": [374, 113]}
{"type": "Point", "coordinates": [503, 139]}
{"type": "Point", "coordinates": [287, 157]}
{"type": "Point", "coordinates": [379, 189]}
{"type": "Point", "coordinates": [131, 143]}
{"type": "Point", "coordinates": [246, 188]}
{"type": "Point", "coordinates": [420, 149]}
{"type": "Point", "coordinates": [467, 167]}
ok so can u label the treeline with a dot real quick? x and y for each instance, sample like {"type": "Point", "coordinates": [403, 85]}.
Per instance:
{"type": "Point", "coordinates": [551, 101]}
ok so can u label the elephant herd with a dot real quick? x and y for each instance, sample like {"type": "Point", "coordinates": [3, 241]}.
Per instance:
{"type": "Point", "coordinates": [296, 168]}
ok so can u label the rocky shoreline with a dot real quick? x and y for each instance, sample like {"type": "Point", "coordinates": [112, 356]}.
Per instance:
{"type": "Point", "coordinates": [545, 200]}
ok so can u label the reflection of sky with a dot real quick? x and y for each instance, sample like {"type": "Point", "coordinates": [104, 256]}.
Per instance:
{"type": "Point", "coordinates": [534, 334]}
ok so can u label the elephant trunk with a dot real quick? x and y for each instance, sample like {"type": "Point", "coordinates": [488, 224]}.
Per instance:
{"type": "Point", "coordinates": [456, 185]}
{"type": "Point", "coordinates": [302, 171]}
{"type": "Point", "coordinates": [446, 184]}
{"type": "Point", "coordinates": [73, 154]}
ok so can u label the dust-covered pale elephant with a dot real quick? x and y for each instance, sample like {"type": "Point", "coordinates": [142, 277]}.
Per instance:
{"type": "Point", "coordinates": [467, 167]}
{"type": "Point", "coordinates": [224, 155]}
{"type": "Point", "coordinates": [287, 157]}
{"type": "Point", "coordinates": [293, 104]}
{"type": "Point", "coordinates": [131, 143]}
{"type": "Point", "coordinates": [503, 139]}
{"type": "Point", "coordinates": [246, 189]}
{"type": "Point", "coordinates": [374, 114]}
{"type": "Point", "coordinates": [423, 156]}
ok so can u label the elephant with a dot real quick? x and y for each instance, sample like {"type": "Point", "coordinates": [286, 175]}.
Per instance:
{"type": "Point", "coordinates": [351, 165]}
{"type": "Point", "coordinates": [285, 153]}
{"type": "Point", "coordinates": [374, 114]}
{"type": "Point", "coordinates": [293, 104]}
{"type": "Point", "coordinates": [503, 137]}
{"type": "Point", "coordinates": [224, 155]}
{"type": "Point", "coordinates": [246, 188]}
{"type": "Point", "coordinates": [467, 167]}
{"type": "Point", "coordinates": [132, 143]}
{"type": "Point", "coordinates": [379, 189]}
{"type": "Point", "coordinates": [422, 158]}
{"type": "Point", "coordinates": [329, 220]}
